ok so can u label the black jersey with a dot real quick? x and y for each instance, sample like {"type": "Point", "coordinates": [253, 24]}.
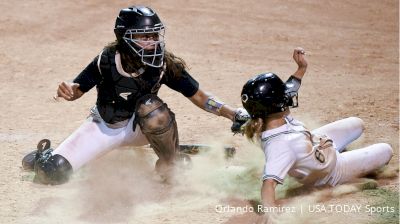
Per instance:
{"type": "Point", "coordinates": [117, 94]}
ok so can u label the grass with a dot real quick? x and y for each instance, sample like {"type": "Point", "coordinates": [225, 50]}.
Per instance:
{"type": "Point", "coordinates": [385, 199]}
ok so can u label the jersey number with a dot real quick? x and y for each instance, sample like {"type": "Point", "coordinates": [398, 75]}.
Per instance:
{"type": "Point", "coordinates": [319, 156]}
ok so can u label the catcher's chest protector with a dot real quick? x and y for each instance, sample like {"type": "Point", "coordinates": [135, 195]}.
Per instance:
{"type": "Point", "coordinates": [118, 94]}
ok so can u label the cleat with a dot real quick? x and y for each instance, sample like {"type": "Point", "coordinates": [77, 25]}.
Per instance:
{"type": "Point", "coordinates": [43, 147]}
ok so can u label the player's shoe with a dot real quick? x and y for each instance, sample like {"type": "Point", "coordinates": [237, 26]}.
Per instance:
{"type": "Point", "coordinates": [193, 149]}
{"type": "Point", "coordinates": [43, 147]}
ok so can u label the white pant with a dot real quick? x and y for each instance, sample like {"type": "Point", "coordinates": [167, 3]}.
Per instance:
{"type": "Point", "coordinates": [94, 138]}
{"type": "Point", "coordinates": [358, 162]}
{"type": "Point", "coordinates": [342, 132]}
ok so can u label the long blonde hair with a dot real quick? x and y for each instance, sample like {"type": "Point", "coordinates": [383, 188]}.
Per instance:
{"type": "Point", "coordinates": [254, 128]}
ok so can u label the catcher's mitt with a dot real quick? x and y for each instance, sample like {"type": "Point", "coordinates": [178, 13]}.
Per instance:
{"type": "Point", "coordinates": [241, 117]}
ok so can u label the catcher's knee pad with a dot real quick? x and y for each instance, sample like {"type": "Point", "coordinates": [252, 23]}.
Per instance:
{"type": "Point", "coordinates": [153, 115]}
{"type": "Point", "coordinates": [52, 169]}
{"type": "Point", "coordinates": [158, 124]}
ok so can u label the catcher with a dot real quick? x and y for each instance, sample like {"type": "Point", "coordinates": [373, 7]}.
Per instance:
{"type": "Point", "coordinates": [128, 74]}
{"type": "Point", "coordinates": [314, 158]}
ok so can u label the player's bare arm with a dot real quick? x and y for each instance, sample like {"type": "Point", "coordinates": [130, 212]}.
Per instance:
{"type": "Point", "coordinates": [268, 193]}
{"type": "Point", "coordinates": [268, 99]}
{"type": "Point", "coordinates": [294, 81]}
{"type": "Point", "coordinates": [268, 198]}
{"type": "Point", "coordinates": [128, 74]}
{"type": "Point", "coordinates": [209, 103]}
{"type": "Point", "coordinates": [299, 57]}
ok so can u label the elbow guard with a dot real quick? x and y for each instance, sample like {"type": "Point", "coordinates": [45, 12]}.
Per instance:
{"type": "Point", "coordinates": [292, 86]}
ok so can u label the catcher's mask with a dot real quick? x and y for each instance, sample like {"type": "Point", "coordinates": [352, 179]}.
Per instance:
{"type": "Point", "coordinates": [143, 32]}
{"type": "Point", "coordinates": [264, 95]}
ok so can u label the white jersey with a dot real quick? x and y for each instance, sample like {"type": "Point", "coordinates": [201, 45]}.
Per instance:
{"type": "Point", "coordinates": [292, 149]}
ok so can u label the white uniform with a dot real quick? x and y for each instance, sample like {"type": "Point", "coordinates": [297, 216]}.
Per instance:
{"type": "Point", "coordinates": [95, 137]}
{"type": "Point", "coordinates": [313, 159]}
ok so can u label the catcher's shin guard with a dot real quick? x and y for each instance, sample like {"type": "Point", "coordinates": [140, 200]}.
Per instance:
{"type": "Point", "coordinates": [158, 124]}
{"type": "Point", "coordinates": [52, 169]}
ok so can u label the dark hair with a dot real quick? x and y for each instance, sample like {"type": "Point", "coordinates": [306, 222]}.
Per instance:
{"type": "Point", "coordinates": [175, 64]}
{"type": "Point", "coordinates": [131, 62]}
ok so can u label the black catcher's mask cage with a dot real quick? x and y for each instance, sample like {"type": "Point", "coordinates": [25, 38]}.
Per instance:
{"type": "Point", "coordinates": [264, 95]}
{"type": "Point", "coordinates": [140, 28]}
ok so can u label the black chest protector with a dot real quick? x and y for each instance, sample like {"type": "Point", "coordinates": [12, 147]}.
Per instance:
{"type": "Point", "coordinates": [117, 94]}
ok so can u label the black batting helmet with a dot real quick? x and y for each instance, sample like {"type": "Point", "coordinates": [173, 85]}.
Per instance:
{"type": "Point", "coordinates": [264, 95]}
{"type": "Point", "coordinates": [141, 20]}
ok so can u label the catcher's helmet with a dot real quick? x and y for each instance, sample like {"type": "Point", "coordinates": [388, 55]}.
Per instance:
{"type": "Point", "coordinates": [141, 20]}
{"type": "Point", "coordinates": [264, 95]}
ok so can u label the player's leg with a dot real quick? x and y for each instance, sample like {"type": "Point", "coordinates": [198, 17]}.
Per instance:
{"type": "Point", "coordinates": [91, 140]}
{"type": "Point", "coordinates": [134, 136]}
{"type": "Point", "coordinates": [342, 132]}
{"type": "Point", "coordinates": [158, 124]}
{"type": "Point", "coordinates": [360, 162]}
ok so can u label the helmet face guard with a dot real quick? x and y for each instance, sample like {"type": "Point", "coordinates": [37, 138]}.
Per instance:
{"type": "Point", "coordinates": [148, 44]}
{"type": "Point", "coordinates": [142, 31]}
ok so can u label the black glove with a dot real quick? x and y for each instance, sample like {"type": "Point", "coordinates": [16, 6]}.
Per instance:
{"type": "Point", "coordinates": [241, 117]}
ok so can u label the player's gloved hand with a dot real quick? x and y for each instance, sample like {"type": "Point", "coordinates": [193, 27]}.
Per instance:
{"type": "Point", "coordinates": [241, 117]}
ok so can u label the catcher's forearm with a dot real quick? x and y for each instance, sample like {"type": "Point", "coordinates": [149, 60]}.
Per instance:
{"type": "Point", "coordinates": [228, 112]}
{"type": "Point", "coordinates": [210, 104]}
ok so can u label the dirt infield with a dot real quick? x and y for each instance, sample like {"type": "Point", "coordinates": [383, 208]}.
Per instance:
{"type": "Point", "coordinates": [353, 56]}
